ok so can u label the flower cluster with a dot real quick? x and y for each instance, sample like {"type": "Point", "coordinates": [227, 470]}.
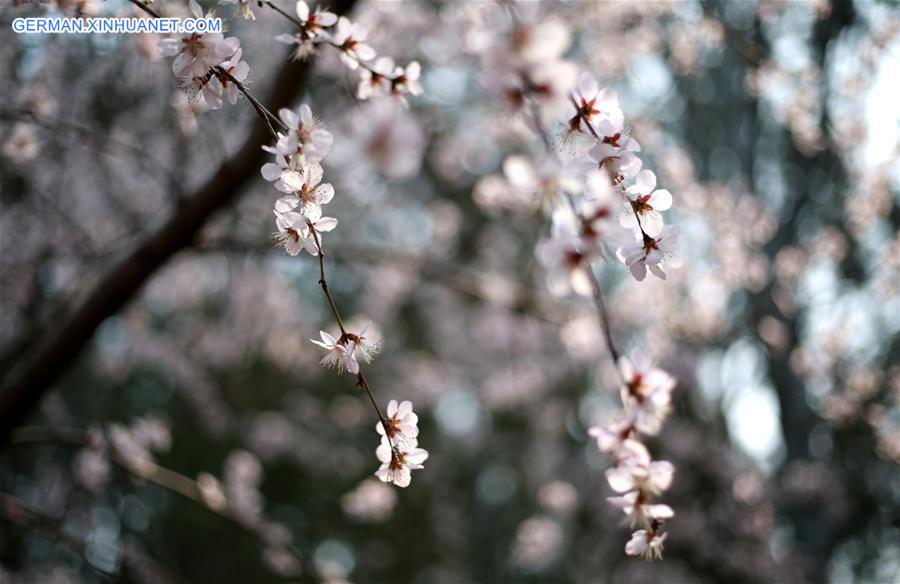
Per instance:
{"type": "Point", "coordinates": [376, 76]}
{"type": "Point", "coordinates": [209, 66]}
{"type": "Point", "coordinates": [593, 184]}
{"type": "Point", "coordinates": [399, 450]}
{"type": "Point", "coordinates": [297, 174]}
{"type": "Point", "coordinates": [646, 397]}
{"type": "Point", "coordinates": [620, 205]}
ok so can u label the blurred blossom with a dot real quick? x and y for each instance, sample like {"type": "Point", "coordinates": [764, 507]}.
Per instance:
{"type": "Point", "coordinates": [271, 435]}
{"type": "Point", "coordinates": [282, 562]}
{"type": "Point", "coordinates": [538, 542]}
{"type": "Point", "coordinates": [20, 144]}
{"type": "Point", "coordinates": [91, 468]}
{"type": "Point", "coordinates": [334, 559]}
{"type": "Point", "coordinates": [558, 496]}
{"type": "Point", "coordinates": [387, 140]}
{"type": "Point", "coordinates": [370, 502]}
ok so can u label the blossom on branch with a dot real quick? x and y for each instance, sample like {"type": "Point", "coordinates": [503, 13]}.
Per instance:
{"type": "Point", "coordinates": [398, 461]}
{"type": "Point", "coordinates": [647, 543]}
{"type": "Point", "coordinates": [349, 37]}
{"type": "Point", "coordinates": [340, 353]}
{"type": "Point", "coordinates": [644, 205]}
{"type": "Point", "coordinates": [402, 423]}
{"type": "Point", "coordinates": [644, 253]}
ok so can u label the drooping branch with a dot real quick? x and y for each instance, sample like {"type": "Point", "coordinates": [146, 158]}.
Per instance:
{"type": "Point", "coordinates": [50, 355]}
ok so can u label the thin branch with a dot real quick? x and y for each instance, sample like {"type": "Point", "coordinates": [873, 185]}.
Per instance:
{"type": "Point", "coordinates": [323, 281]}
{"type": "Point", "coordinates": [360, 378]}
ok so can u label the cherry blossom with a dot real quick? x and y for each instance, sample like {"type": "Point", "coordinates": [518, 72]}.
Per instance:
{"type": "Point", "coordinates": [542, 181]}
{"type": "Point", "coordinates": [305, 188]}
{"type": "Point", "coordinates": [21, 144]}
{"type": "Point", "coordinates": [196, 53]}
{"type": "Point", "coordinates": [398, 462]}
{"type": "Point", "coordinates": [638, 472]}
{"type": "Point", "coordinates": [340, 353]}
{"type": "Point", "coordinates": [376, 80]}
{"type": "Point", "coordinates": [349, 37]}
{"type": "Point", "coordinates": [565, 257]}
{"type": "Point", "coordinates": [646, 543]}
{"type": "Point", "coordinates": [346, 349]}
{"type": "Point", "coordinates": [306, 136]}
{"type": "Point", "coordinates": [645, 203]}
{"type": "Point", "coordinates": [596, 107]}
{"type": "Point", "coordinates": [646, 395]}
{"type": "Point", "coordinates": [639, 510]}
{"type": "Point", "coordinates": [611, 438]}
{"type": "Point", "coordinates": [312, 30]}
{"type": "Point", "coordinates": [285, 172]}
{"type": "Point", "coordinates": [406, 82]}
{"type": "Point", "coordinates": [366, 346]}
{"type": "Point", "coordinates": [238, 69]}
{"type": "Point", "coordinates": [293, 233]}
{"type": "Point", "coordinates": [402, 423]}
{"type": "Point", "coordinates": [386, 78]}
{"type": "Point", "coordinates": [647, 253]}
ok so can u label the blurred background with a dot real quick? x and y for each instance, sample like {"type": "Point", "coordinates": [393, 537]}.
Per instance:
{"type": "Point", "coordinates": [193, 437]}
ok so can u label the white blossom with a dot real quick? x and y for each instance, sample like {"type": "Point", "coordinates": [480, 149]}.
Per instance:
{"type": "Point", "coordinates": [236, 68]}
{"type": "Point", "coordinates": [644, 253]}
{"type": "Point", "coordinates": [196, 53]}
{"type": "Point", "coordinates": [639, 510]}
{"type": "Point", "coordinates": [597, 107]}
{"type": "Point", "coordinates": [397, 462]}
{"type": "Point", "coordinates": [638, 472]}
{"type": "Point", "coordinates": [402, 423]}
{"type": "Point", "coordinates": [305, 136]}
{"type": "Point", "coordinates": [646, 394]}
{"type": "Point", "coordinates": [21, 144]}
{"type": "Point", "coordinates": [565, 256]}
{"type": "Point", "coordinates": [343, 352]}
{"type": "Point", "coordinates": [350, 38]}
{"type": "Point", "coordinates": [305, 190]}
{"type": "Point", "coordinates": [406, 82]}
{"type": "Point", "coordinates": [646, 543]}
{"type": "Point", "coordinates": [311, 32]}
{"type": "Point", "coordinates": [376, 80]}
{"type": "Point", "coordinates": [293, 233]}
{"type": "Point", "coordinates": [286, 172]}
{"type": "Point", "coordinates": [645, 203]}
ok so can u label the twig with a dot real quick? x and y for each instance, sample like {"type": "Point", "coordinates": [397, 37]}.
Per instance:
{"type": "Point", "coordinates": [360, 378]}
